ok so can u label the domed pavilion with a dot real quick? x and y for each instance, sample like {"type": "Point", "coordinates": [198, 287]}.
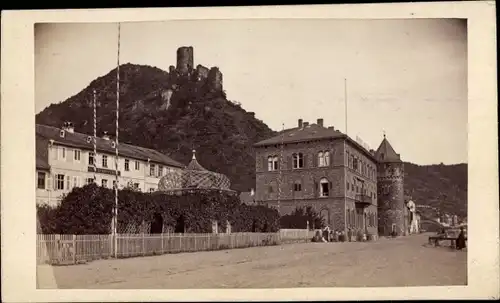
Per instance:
{"type": "Point", "coordinates": [194, 177]}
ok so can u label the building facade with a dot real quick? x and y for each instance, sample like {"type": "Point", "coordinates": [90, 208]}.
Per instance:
{"type": "Point", "coordinates": [65, 159]}
{"type": "Point", "coordinates": [313, 165]}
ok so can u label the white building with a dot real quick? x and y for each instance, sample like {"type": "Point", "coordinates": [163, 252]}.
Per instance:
{"type": "Point", "coordinates": [65, 159]}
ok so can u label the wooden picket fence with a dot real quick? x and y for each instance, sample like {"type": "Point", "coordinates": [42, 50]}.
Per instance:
{"type": "Point", "coordinates": [74, 249]}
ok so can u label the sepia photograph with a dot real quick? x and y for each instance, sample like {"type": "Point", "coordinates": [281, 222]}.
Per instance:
{"type": "Point", "coordinates": [217, 154]}
{"type": "Point", "coordinates": [316, 153]}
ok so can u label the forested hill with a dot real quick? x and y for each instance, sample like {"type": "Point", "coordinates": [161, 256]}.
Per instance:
{"type": "Point", "coordinates": [196, 116]}
{"type": "Point", "coordinates": [441, 186]}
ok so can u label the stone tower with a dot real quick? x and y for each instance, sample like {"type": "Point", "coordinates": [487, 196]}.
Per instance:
{"type": "Point", "coordinates": [390, 188]}
{"type": "Point", "coordinates": [215, 79]}
{"type": "Point", "coordinates": [185, 59]}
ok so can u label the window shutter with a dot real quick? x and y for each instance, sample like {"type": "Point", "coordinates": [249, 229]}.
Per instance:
{"type": "Point", "coordinates": [316, 189]}
{"type": "Point", "coordinates": [304, 160]}
{"type": "Point", "coordinates": [54, 183]}
{"type": "Point", "coordinates": [315, 160]}
{"type": "Point", "coordinates": [264, 164]}
{"type": "Point", "coordinates": [290, 162]}
{"type": "Point", "coordinates": [331, 158]}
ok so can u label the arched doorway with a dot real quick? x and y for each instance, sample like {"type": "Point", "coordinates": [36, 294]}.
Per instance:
{"type": "Point", "coordinates": [157, 224]}
{"type": "Point", "coordinates": [180, 225]}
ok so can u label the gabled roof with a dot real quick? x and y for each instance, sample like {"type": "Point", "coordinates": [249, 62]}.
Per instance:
{"type": "Point", "coordinates": [42, 155]}
{"type": "Point", "coordinates": [311, 132]}
{"type": "Point", "coordinates": [45, 133]}
{"type": "Point", "coordinates": [305, 133]}
{"type": "Point", "coordinates": [385, 153]}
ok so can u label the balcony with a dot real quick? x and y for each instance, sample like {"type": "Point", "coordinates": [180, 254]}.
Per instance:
{"type": "Point", "coordinates": [363, 200]}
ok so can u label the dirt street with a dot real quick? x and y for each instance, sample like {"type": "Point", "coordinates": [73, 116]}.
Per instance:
{"type": "Point", "coordinates": [405, 261]}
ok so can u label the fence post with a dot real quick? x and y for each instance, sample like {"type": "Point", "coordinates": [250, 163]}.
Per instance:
{"type": "Point", "coordinates": [143, 246]}
{"type": "Point", "coordinates": [161, 235]}
{"type": "Point", "coordinates": [195, 236]}
{"type": "Point", "coordinates": [74, 249]}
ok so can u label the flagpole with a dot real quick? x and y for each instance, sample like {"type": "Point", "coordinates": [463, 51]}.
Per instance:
{"type": "Point", "coordinates": [345, 103]}
{"type": "Point", "coordinates": [95, 137]}
{"type": "Point", "coordinates": [280, 166]}
{"type": "Point", "coordinates": [115, 225]}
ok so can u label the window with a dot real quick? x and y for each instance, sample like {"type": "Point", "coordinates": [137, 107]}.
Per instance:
{"type": "Point", "coordinates": [321, 159]}
{"type": "Point", "coordinates": [136, 185]}
{"type": "Point", "coordinates": [114, 183]}
{"type": "Point", "coordinates": [104, 161]}
{"type": "Point", "coordinates": [76, 182]}
{"type": "Point", "coordinates": [41, 180]}
{"type": "Point", "coordinates": [298, 160]}
{"type": "Point", "coordinates": [77, 155]}
{"type": "Point", "coordinates": [327, 158]}
{"type": "Point", "coordinates": [160, 171]}
{"type": "Point", "coordinates": [91, 158]}
{"type": "Point", "coordinates": [104, 183]}
{"type": "Point", "coordinates": [270, 189]}
{"type": "Point", "coordinates": [151, 190]}
{"type": "Point", "coordinates": [272, 163]}
{"type": "Point", "coordinates": [151, 170]}
{"type": "Point", "coordinates": [297, 186]}
{"type": "Point", "coordinates": [347, 184]}
{"type": "Point", "coordinates": [355, 164]}
{"type": "Point", "coordinates": [63, 153]}
{"type": "Point", "coordinates": [127, 165]}
{"type": "Point", "coordinates": [136, 165]}
{"type": "Point", "coordinates": [347, 159]}
{"type": "Point", "coordinates": [324, 188]}
{"type": "Point", "coordinates": [90, 180]}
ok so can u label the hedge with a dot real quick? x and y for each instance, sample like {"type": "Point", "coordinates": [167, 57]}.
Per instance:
{"type": "Point", "coordinates": [89, 210]}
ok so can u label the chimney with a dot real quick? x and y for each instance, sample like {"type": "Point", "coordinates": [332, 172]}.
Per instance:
{"type": "Point", "coordinates": [300, 123]}
{"type": "Point", "coordinates": [331, 127]}
{"type": "Point", "coordinates": [68, 126]}
{"type": "Point", "coordinates": [305, 124]}
{"type": "Point", "coordinates": [320, 122]}
{"type": "Point", "coordinates": [105, 135]}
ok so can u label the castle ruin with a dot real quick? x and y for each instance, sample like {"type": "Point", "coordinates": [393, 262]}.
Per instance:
{"type": "Point", "coordinates": [185, 68]}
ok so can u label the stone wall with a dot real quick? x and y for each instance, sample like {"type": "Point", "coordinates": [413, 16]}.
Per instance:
{"type": "Point", "coordinates": [215, 79]}
{"type": "Point", "coordinates": [391, 198]}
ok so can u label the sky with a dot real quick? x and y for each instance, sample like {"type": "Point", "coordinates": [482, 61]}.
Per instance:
{"type": "Point", "coordinates": [407, 77]}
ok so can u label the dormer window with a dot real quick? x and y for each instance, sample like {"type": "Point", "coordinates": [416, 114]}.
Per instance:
{"type": "Point", "coordinates": [62, 133]}
{"type": "Point", "coordinates": [89, 139]}
{"type": "Point", "coordinates": [113, 144]}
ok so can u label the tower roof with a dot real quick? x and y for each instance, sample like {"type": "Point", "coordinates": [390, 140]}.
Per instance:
{"type": "Point", "coordinates": [194, 165]}
{"type": "Point", "coordinates": [385, 153]}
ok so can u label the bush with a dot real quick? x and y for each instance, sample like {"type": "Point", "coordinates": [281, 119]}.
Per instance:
{"type": "Point", "coordinates": [89, 210]}
{"type": "Point", "coordinates": [300, 216]}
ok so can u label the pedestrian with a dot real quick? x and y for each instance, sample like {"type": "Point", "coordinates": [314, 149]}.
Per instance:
{"type": "Point", "coordinates": [349, 235]}
{"type": "Point", "coordinates": [460, 242]}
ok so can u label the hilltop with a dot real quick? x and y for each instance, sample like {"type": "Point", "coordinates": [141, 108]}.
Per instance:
{"type": "Point", "coordinates": [172, 114]}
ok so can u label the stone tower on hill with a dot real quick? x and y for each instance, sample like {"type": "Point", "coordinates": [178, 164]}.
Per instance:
{"type": "Point", "coordinates": [390, 187]}
{"type": "Point", "coordinates": [185, 68]}
{"type": "Point", "coordinates": [185, 59]}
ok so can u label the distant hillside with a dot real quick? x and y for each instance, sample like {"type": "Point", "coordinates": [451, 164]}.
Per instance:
{"type": "Point", "coordinates": [196, 116]}
{"type": "Point", "coordinates": [441, 186]}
